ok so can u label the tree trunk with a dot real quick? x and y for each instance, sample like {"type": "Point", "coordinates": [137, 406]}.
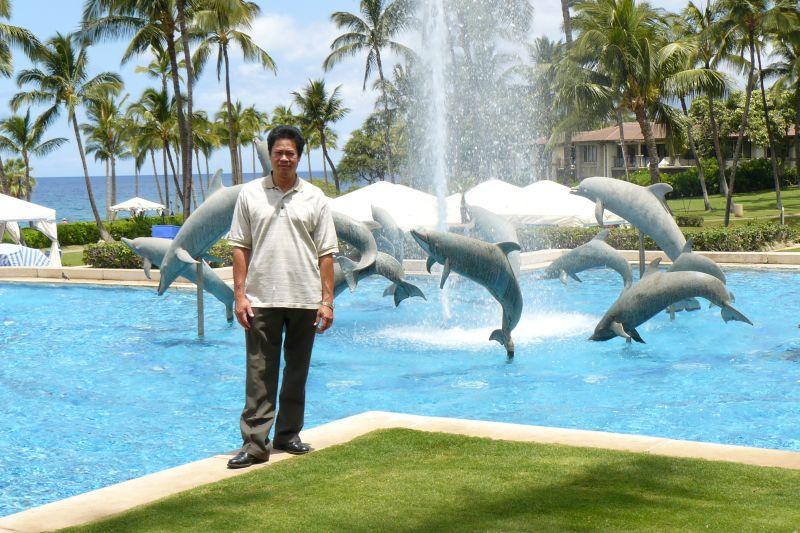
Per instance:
{"type": "Point", "coordinates": [27, 176]}
{"type": "Point", "coordinates": [208, 172]}
{"type": "Point", "coordinates": [183, 132]}
{"type": "Point", "coordinates": [772, 148]}
{"type": "Point", "coordinates": [647, 132]}
{"type": "Point", "coordinates": [4, 185]}
{"type": "Point", "coordinates": [241, 159]}
{"type": "Point", "coordinates": [388, 132]}
{"type": "Point", "coordinates": [178, 191]}
{"type": "Point", "coordinates": [723, 181]}
{"type": "Point", "coordinates": [308, 159]}
{"type": "Point", "coordinates": [100, 227]}
{"type": "Point", "coordinates": [199, 173]}
{"type": "Point", "coordinates": [737, 151]}
{"type": "Point", "coordinates": [237, 177]}
{"type": "Point", "coordinates": [623, 149]}
{"type": "Point", "coordinates": [135, 178]}
{"type": "Point", "coordinates": [333, 167]}
{"type": "Point", "coordinates": [108, 193]}
{"type": "Point", "coordinates": [324, 167]}
{"type": "Point", "coordinates": [567, 22]}
{"type": "Point", "coordinates": [166, 179]}
{"type": "Point", "coordinates": [700, 175]}
{"type": "Point", "coordinates": [114, 183]}
{"type": "Point", "coordinates": [253, 157]}
{"type": "Point", "coordinates": [155, 176]}
{"type": "Point", "coordinates": [796, 128]}
{"type": "Point", "coordinates": [187, 147]}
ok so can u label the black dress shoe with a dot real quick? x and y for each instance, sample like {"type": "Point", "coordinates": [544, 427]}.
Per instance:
{"type": "Point", "coordinates": [294, 448]}
{"type": "Point", "coordinates": [244, 459]}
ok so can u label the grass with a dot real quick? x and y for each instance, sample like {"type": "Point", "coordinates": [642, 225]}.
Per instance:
{"type": "Point", "coordinates": [403, 480]}
{"type": "Point", "coordinates": [72, 258]}
{"type": "Point", "coordinates": [756, 205]}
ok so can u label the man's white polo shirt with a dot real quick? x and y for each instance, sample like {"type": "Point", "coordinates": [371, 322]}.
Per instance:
{"type": "Point", "coordinates": [286, 233]}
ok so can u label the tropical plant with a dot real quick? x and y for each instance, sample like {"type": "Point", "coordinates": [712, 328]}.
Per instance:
{"type": "Point", "coordinates": [18, 182]}
{"type": "Point", "coordinates": [149, 23]}
{"type": "Point", "coordinates": [786, 49]}
{"type": "Point", "coordinates": [220, 25]}
{"type": "Point", "coordinates": [60, 79]}
{"type": "Point", "coordinates": [371, 33]}
{"type": "Point", "coordinates": [319, 111]}
{"type": "Point", "coordinates": [22, 136]}
{"type": "Point", "coordinates": [254, 123]}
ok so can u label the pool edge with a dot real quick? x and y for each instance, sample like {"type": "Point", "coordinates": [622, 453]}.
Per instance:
{"type": "Point", "coordinates": [107, 501]}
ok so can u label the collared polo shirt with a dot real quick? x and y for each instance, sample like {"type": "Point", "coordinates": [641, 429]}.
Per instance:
{"type": "Point", "coordinates": [286, 233]}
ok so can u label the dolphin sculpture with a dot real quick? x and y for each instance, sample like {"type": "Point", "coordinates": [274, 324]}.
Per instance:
{"type": "Point", "coordinates": [385, 265]}
{"type": "Point", "coordinates": [358, 235]}
{"type": "Point", "coordinates": [152, 251]}
{"type": "Point", "coordinates": [262, 151]}
{"type": "Point", "coordinates": [484, 263]}
{"type": "Point", "coordinates": [595, 253]}
{"type": "Point", "coordinates": [205, 226]}
{"type": "Point", "coordinates": [644, 207]}
{"type": "Point", "coordinates": [689, 261]}
{"type": "Point", "coordinates": [390, 231]}
{"type": "Point", "coordinates": [656, 291]}
{"type": "Point", "coordinates": [491, 227]}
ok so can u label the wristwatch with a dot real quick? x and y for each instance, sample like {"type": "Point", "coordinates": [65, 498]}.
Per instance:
{"type": "Point", "coordinates": [328, 304]}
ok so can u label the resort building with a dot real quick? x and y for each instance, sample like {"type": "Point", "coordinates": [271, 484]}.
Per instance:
{"type": "Point", "coordinates": [598, 152]}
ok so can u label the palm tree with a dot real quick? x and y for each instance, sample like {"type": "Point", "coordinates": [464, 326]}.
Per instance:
{"type": "Point", "coordinates": [16, 37]}
{"type": "Point", "coordinates": [23, 136]}
{"type": "Point", "coordinates": [747, 22]}
{"type": "Point", "coordinates": [156, 111]}
{"type": "Point", "coordinates": [148, 23]}
{"type": "Point", "coordinates": [204, 140]}
{"type": "Point", "coordinates": [319, 110]}
{"type": "Point", "coordinates": [786, 48]}
{"type": "Point", "coordinates": [135, 146]}
{"type": "Point", "coordinates": [159, 68]}
{"type": "Point", "coordinates": [60, 80]}
{"type": "Point", "coordinates": [255, 123]}
{"type": "Point", "coordinates": [220, 25]}
{"type": "Point", "coordinates": [106, 135]}
{"type": "Point", "coordinates": [373, 32]}
{"type": "Point", "coordinates": [16, 184]}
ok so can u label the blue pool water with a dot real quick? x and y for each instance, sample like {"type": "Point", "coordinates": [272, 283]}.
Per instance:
{"type": "Point", "coordinates": [100, 385]}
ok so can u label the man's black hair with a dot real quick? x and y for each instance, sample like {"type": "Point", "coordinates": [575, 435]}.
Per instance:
{"type": "Point", "coordinates": [286, 132]}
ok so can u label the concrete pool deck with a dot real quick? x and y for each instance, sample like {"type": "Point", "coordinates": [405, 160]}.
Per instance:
{"type": "Point", "coordinates": [117, 498]}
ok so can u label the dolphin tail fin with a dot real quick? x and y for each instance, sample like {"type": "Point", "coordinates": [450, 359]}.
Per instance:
{"type": "Point", "coordinates": [505, 339]}
{"type": "Point", "coordinates": [229, 312]}
{"type": "Point", "coordinates": [216, 183]}
{"type": "Point", "coordinates": [729, 313]}
{"type": "Point", "coordinates": [652, 268]}
{"type": "Point", "coordinates": [602, 236]}
{"type": "Point", "coordinates": [402, 290]}
{"type": "Point", "coordinates": [660, 191]}
{"type": "Point", "coordinates": [147, 264]}
{"type": "Point", "coordinates": [635, 336]}
{"type": "Point", "coordinates": [348, 269]}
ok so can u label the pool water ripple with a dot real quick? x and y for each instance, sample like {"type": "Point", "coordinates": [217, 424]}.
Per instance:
{"type": "Point", "coordinates": [99, 385]}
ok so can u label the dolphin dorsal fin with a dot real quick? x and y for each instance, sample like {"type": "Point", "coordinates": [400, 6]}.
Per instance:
{"type": "Point", "coordinates": [598, 212]}
{"type": "Point", "coordinates": [216, 182]}
{"type": "Point", "coordinates": [652, 268]}
{"type": "Point", "coordinates": [687, 248]}
{"type": "Point", "coordinates": [372, 225]}
{"type": "Point", "coordinates": [508, 247]}
{"type": "Point", "coordinates": [602, 236]}
{"type": "Point", "coordinates": [660, 190]}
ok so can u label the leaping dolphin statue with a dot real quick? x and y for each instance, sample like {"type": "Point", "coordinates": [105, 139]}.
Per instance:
{"type": "Point", "coordinates": [152, 251]}
{"type": "Point", "coordinates": [385, 265]}
{"type": "Point", "coordinates": [656, 291]}
{"type": "Point", "coordinates": [595, 253]}
{"type": "Point", "coordinates": [390, 231]}
{"type": "Point", "coordinates": [644, 207]}
{"type": "Point", "coordinates": [262, 150]}
{"type": "Point", "coordinates": [484, 263]}
{"type": "Point", "coordinates": [358, 235]}
{"type": "Point", "coordinates": [491, 227]}
{"type": "Point", "coordinates": [205, 226]}
{"type": "Point", "coordinates": [689, 261]}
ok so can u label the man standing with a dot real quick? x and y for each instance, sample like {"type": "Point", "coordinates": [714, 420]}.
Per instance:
{"type": "Point", "coordinates": [284, 241]}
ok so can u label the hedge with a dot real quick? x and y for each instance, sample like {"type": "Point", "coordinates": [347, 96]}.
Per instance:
{"type": "Point", "coordinates": [118, 255]}
{"type": "Point", "coordinates": [82, 233]}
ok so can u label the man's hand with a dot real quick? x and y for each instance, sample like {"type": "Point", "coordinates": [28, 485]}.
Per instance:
{"type": "Point", "coordinates": [243, 311]}
{"type": "Point", "coordinates": [324, 318]}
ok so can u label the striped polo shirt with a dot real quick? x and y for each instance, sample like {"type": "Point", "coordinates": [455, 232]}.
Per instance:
{"type": "Point", "coordinates": [286, 232]}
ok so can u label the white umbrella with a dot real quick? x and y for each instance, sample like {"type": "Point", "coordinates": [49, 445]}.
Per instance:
{"type": "Point", "coordinates": [137, 205]}
{"type": "Point", "coordinates": [16, 255]}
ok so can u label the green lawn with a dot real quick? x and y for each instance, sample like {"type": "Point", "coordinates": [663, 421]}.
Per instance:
{"type": "Point", "coordinates": [756, 205]}
{"type": "Point", "coordinates": [72, 258]}
{"type": "Point", "coordinates": [403, 480]}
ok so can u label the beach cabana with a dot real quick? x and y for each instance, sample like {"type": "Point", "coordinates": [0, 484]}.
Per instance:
{"type": "Point", "coordinates": [409, 207]}
{"type": "Point", "coordinates": [551, 203]}
{"type": "Point", "coordinates": [137, 206]}
{"type": "Point", "coordinates": [13, 211]}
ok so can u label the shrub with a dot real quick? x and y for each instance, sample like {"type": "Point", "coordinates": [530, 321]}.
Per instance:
{"type": "Point", "coordinates": [689, 221]}
{"type": "Point", "coordinates": [111, 255]}
{"type": "Point", "coordinates": [222, 250]}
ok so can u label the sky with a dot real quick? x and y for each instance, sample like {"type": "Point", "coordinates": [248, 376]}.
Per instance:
{"type": "Point", "coordinates": [296, 34]}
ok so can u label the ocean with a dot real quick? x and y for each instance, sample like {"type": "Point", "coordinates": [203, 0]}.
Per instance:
{"type": "Point", "coordinates": [67, 195]}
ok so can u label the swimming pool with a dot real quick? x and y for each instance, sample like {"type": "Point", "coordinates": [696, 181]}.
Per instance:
{"type": "Point", "coordinates": [99, 385]}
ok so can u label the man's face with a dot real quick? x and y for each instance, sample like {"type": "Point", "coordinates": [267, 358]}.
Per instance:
{"type": "Point", "coordinates": [284, 157]}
